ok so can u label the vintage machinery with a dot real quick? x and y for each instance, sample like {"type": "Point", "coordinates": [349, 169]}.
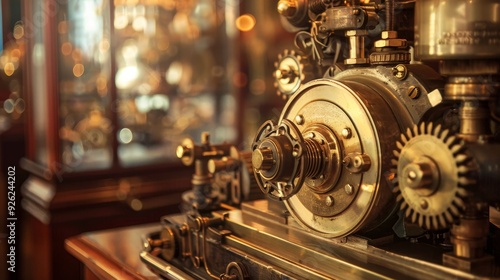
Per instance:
{"type": "Point", "coordinates": [384, 162]}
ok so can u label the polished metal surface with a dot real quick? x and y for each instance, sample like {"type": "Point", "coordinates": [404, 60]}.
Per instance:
{"type": "Point", "coordinates": [272, 250]}
{"type": "Point", "coordinates": [383, 166]}
{"type": "Point", "coordinates": [459, 29]}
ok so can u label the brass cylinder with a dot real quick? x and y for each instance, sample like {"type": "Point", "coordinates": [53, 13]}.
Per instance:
{"type": "Point", "coordinates": [459, 29]}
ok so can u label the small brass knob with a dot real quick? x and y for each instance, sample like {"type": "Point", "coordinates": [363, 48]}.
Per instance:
{"type": "Point", "coordinates": [182, 151]}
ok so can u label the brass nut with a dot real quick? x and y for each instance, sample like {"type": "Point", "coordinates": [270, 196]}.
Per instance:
{"type": "Point", "coordinates": [389, 34]}
{"type": "Point", "coordinates": [395, 43]}
{"type": "Point", "coordinates": [357, 32]}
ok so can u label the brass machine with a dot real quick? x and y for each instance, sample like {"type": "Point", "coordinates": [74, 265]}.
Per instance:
{"type": "Point", "coordinates": [385, 161]}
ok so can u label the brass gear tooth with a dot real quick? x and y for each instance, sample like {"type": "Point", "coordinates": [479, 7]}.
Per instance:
{"type": "Point", "coordinates": [429, 128]}
{"type": "Point", "coordinates": [444, 135]}
{"type": "Point", "coordinates": [421, 220]}
{"type": "Point", "coordinates": [399, 198]}
{"type": "Point", "coordinates": [422, 129]}
{"type": "Point", "coordinates": [395, 181]}
{"type": "Point", "coordinates": [403, 206]}
{"type": "Point", "coordinates": [462, 158]}
{"type": "Point", "coordinates": [448, 216]}
{"type": "Point", "coordinates": [450, 140]}
{"type": "Point", "coordinates": [403, 138]}
{"type": "Point", "coordinates": [409, 133]}
{"type": "Point", "coordinates": [415, 130]}
{"type": "Point", "coordinates": [462, 192]}
{"type": "Point", "coordinates": [428, 223]}
{"type": "Point", "coordinates": [412, 214]}
{"type": "Point", "coordinates": [459, 202]}
{"type": "Point", "coordinates": [408, 210]}
{"type": "Point", "coordinates": [456, 148]}
{"type": "Point", "coordinates": [454, 210]}
{"type": "Point", "coordinates": [437, 130]}
{"type": "Point", "coordinates": [442, 221]}
{"type": "Point", "coordinates": [463, 170]}
{"type": "Point", "coordinates": [396, 154]}
{"type": "Point", "coordinates": [434, 222]}
{"type": "Point", "coordinates": [399, 145]}
{"type": "Point", "coordinates": [465, 181]}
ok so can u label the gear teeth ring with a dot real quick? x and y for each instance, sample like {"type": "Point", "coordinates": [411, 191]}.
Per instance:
{"type": "Point", "coordinates": [292, 70]}
{"type": "Point", "coordinates": [433, 203]}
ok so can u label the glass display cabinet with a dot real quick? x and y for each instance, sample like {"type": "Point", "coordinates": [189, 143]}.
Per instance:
{"type": "Point", "coordinates": [112, 88]}
{"type": "Point", "coordinates": [117, 85]}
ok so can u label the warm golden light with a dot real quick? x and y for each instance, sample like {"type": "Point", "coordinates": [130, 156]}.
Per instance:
{"type": "Point", "coordinates": [66, 48]}
{"type": "Point", "coordinates": [15, 55]}
{"type": "Point", "coordinates": [78, 70]}
{"type": "Point", "coordinates": [18, 31]}
{"type": "Point", "coordinates": [102, 86]}
{"type": "Point", "coordinates": [62, 27]}
{"type": "Point", "coordinates": [245, 22]}
{"type": "Point", "coordinates": [77, 55]}
{"type": "Point", "coordinates": [9, 68]}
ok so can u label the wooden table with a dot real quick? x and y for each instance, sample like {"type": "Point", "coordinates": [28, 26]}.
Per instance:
{"type": "Point", "coordinates": [112, 254]}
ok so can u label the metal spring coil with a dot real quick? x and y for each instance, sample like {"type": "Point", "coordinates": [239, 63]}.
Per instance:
{"type": "Point", "coordinates": [313, 158]}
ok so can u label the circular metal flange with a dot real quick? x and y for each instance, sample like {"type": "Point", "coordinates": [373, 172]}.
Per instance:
{"type": "Point", "coordinates": [348, 202]}
{"type": "Point", "coordinates": [276, 158]}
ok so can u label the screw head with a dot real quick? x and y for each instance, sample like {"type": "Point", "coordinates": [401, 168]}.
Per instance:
{"type": "Point", "coordinates": [299, 119]}
{"type": "Point", "coordinates": [329, 200]}
{"type": "Point", "coordinates": [400, 71]}
{"type": "Point", "coordinates": [346, 133]}
{"type": "Point", "coordinates": [348, 189]}
{"type": "Point", "coordinates": [424, 204]}
{"type": "Point", "coordinates": [413, 92]}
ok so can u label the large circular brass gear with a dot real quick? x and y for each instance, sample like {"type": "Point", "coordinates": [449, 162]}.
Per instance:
{"type": "Point", "coordinates": [432, 176]}
{"type": "Point", "coordinates": [292, 70]}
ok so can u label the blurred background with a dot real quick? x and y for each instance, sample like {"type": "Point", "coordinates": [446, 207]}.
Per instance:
{"type": "Point", "coordinates": [95, 95]}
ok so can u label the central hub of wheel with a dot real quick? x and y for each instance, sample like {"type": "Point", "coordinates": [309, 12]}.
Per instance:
{"type": "Point", "coordinates": [273, 158]}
